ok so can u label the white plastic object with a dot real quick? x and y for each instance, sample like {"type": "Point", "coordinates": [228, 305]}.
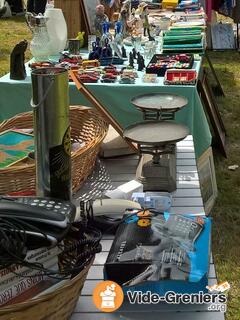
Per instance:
{"type": "Point", "coordinates": [125, 191]}
{"type": "Point", "coordinates": [160, 201]}
{"type": "Point", "coordinates": [57, 30]}
{"type": "Point", "coordinates": [113, 206]}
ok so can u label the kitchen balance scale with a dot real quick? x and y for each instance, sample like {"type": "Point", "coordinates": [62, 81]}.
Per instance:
{"type": "Point", "coordinates": [156, 138]}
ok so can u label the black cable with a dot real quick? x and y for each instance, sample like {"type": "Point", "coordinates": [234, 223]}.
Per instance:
{"type": "Point", "coordinates": [65, 272]}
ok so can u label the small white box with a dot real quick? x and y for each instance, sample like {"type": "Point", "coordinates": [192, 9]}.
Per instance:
{"type": "Point", "coordinates": [125, 191]}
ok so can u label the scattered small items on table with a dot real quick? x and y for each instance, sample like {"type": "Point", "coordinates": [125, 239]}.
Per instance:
{"type": "Point", "coordinates": [161, 62]}
{"type": "Point", "coordinates": [150, 78]}
{"type": "Point", "coordinates": [41, 64]}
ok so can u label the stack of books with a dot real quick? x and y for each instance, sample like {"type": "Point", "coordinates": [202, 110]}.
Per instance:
{"type": "Point", "coordinates": [188, 40]}
{"type": "Point", "coordinates": [17, 280]}
{"type": "Point", "coordinates": [187, 33]}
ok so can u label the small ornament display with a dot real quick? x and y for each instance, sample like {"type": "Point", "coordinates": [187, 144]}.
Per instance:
{"type": "Point", "coordinates": [127, 79]}
{"type": "Point", "coordinates": [109, 78]}
{"type": "Point", "coordinates": [124, 53]}
{"type": "Point", "coordinates": [17, 59]}
{"type": "Point", "coordinates": [111, 69]}
{"type": "Point", "coordinates": [90, 64]}
{"type": "Point", "coordinates": [41, 64]}
{"type": "Point", "coordinates": [131, 59]}
{"type": "Point", "coordinates": [110, 74]}
{"type": "Point", "coordinates": [141, 63]}
{"type": "Point", "coordinates": [70, 61]}
{"type": "Point", "coordinates": [149, 78]}
{"type": "Point", "coordinates": [143, 8]}
{"type": "Point", "coordinates": [129, 72]}
{"type": "Point", "coordinates": [88, 76]}
{"type": "Point", "coordinates": [162, 62]}
{"type": "Point", "coordinates": [125, 14]}
{"type": "Point", "coordinates": [134, 52]}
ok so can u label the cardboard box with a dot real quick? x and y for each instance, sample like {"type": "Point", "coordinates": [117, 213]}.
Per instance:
{"type": "Point", "coordinates": [139, 249]}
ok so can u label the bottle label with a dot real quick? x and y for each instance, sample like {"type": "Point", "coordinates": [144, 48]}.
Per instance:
{"type": "Point", "coordinates": [60, 168]}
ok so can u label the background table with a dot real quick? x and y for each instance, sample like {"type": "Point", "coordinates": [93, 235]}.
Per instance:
{"type": "Point", "coordinates": [15, 98]}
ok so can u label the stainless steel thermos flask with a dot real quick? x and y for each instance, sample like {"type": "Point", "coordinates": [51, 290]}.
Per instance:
{"type": "Point", "coordinates": [50, 104]}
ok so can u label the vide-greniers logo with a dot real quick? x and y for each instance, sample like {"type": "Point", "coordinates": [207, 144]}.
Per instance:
{"type": "Point", "coordinates": [216, 298]}
{"type": "Point", "coordinates": [108, 297]}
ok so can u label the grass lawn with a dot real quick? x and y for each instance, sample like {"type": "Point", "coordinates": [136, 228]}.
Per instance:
{"type": "Point", "coordinates": [226, 214]}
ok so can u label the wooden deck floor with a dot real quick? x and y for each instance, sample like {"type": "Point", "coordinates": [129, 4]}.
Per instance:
{"type": "Point", "coordinates": [187, 198]}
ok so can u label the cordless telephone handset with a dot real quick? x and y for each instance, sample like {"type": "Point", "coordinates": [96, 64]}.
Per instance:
{"type": "Point", "coordinates": [52, 212]}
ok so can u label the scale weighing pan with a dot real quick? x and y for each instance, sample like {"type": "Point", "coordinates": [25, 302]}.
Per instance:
{"type": "Point", "coordinates": [156, 133]}
{"type": "Point", "coordinates": [165, 102]}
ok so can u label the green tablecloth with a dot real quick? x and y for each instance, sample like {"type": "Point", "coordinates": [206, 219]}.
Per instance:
{"type": "Point", "coordinates": [15, 98]}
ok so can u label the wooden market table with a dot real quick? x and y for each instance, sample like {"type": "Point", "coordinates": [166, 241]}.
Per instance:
{"type": "Point", "coordinates": [111, 173]}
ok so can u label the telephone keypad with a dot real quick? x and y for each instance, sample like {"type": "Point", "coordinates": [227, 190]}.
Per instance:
{"type": "Point", "coordinates": [183, 227]}
{"type": "Point", "coordinates": [46, 204]}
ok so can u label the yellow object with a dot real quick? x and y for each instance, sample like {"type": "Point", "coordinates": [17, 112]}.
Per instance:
{"type": "Point", "coordinates": [80, 37]}
{"type": "Point", "coordinates": [166, 4]}
{"type": "Point", "coordinates": [90, 63]}
{"type": "Point", "coordinates": [144, 223]}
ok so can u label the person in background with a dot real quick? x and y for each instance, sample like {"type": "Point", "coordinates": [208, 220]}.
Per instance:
{"type": "Point", "coordinates": [36, 6]}
{"type": "Point", "coordinates": [16, 6]}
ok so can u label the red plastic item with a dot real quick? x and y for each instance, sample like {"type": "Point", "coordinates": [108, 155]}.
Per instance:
{"type": "Point", "coordinates": [180, 77]}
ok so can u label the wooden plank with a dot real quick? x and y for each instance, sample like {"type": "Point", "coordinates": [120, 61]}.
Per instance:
{"type": "Point", "coordinates": [188, 210]}
{"type": "Point", "coordinates": [185, 143]}
{"type": "Point", "coordinates": [116, 168]}
{"type": "Point", "coordinates": [185, 155]}
{"type": "Point", "coordinates": [186, 162]}
{"type": "Point", "coordinates": [185, 149]}
{"type": "Point", "coordinates": [151, 316]}
{"type": "Point", "coordinates": [106, 245]}
{"type": "Point", "coordinates": [186, 193]}
{"type": "Point", "coordinates": [124, 162]}
{"type": "Point", "coordinates": [100, 258]}
{"type": "Point", "coordinates": [182, 176]}
{"type": "Point", "coordinates": [95, 190]}
{"type": "Point", "coordinates": [187, 202]}
{"type": "Point", "coordinates": [182, 169]}
{"type": "Point", "coordinates": [187, 176]}
{"type": "Point", "coordinates": [95, 273]}
{"type": "Point", "coordinates": [123, 177]}
{"type": "Point", "coordinates": [89, 286]}
{"type": "Point", "coordinates": [194, 184]}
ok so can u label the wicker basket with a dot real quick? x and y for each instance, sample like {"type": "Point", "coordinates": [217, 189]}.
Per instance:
{"type": "Point", "coordinates": [57, 305]}
{"type": "Point", "coordinates": [86, 125]}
